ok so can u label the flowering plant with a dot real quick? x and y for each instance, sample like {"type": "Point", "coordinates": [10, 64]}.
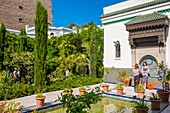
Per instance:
{"type": "Point", "coordinates": [11, 107]}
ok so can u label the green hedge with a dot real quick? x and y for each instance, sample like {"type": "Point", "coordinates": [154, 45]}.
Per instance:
{"type": "Point", "coordinates": [19, 90]}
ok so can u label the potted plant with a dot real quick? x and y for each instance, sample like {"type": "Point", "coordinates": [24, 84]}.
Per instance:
{"type": "Point", "coordinates": [124, 77]}
{"type": "Point", "coordinates": [67, 91]}
{"type": "Point", "coordinates": [161, 68]}
{"type": "Point", "coordinates": [150, 87]}
{"type": "Point", "coordinates": [141, 105]}
{"type": "Point", "coordinates": [106, 73]}
{"type": "Point", "coordinates": [40, 99]}
{"type": "Point", "coordinates": [155, 101]}
{"type": "Point", "coordinates": [11, 107]}
{"type": "Point", "coordinates": [163, 94]}
{"type": "Point", "coordinates": [82, 91]}
{"type": "Point", "coordinates": [140, 89]}
{"type": "Point", "coordinates": [2, 104]}
{"type": "Point", "coordinates": [119, 88]}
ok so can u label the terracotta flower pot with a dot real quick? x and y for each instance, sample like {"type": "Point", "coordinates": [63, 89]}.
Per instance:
{"type": "Point", "coordinates": [66, 93]}
{"type": "Point", "coordinates": [40, 101]}
{"type": "Point", "coordinates": [82, 92]}
{"type": "Point", "coordinates": [155, 104]}
{"type": "Point", "coordinates": [126, 82]}
{"type": "Point", "coordinates": [163, 95]}
{"type": "Point", "coordinates": [2, 103]}
{"type": "Point", "coordinates": [139, 110]}
{"type": "Point", "coordinates": [140, 94]}
{"type": "Point", "coordinates": [105, 87]}
{"type": "Point", "coordinates": [120, 91]}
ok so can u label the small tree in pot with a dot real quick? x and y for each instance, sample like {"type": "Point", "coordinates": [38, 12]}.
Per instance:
{"type": "Point", "coordinates": [40, 99]}
{"type": "Point", "coordinates": [163, 94]}
{"type": "Point", "coordinates": [67, 91]}
{"type": "Point", "coordinates": [155, 101]}
{"type": "Point", "coordinates": [140, 89]}
{"type": "Point", "coordinates": [124, 77]}
{"type": "Point", "coordinates": [141, 105]}
{"type": "Point", "coordinates": [82, 91]}
{"type": "Point", "coordinates": [162, 68]}
{"type": "Point", "coordinates": [106, 73]}
{"type": "Point", "coordinates": [119, 88]}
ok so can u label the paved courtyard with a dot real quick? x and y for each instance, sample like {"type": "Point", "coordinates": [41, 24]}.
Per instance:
{"type": "Point", "coordinates": [28, 102]}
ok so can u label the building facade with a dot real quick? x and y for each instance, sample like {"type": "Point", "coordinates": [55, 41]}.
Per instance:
{"type": "Point", "coordinates": [52, 31]}
{"type": "Point", "coordinates": [136, 31]}
{"type": "Point", "coordinates": [18, 13]}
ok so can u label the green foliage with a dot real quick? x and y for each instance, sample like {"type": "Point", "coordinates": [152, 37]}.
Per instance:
{"type": "Point", "coordinates": [119, 85]}
{"type": "Point", "coordinates": [140, 88]}
{"type": "Point", "coordinates": [2, 44]}
{"type": "Point", "coordinates": [80, 104]}
{"type": "Point", "coordinates": [141, 104]}
{"type": "Point", "coordinates": [93, 52]}
{"type": "Point", "coordinates": [167, 77]}
{"type": "Point", "coordinates": [9, 90]}
{"type": "Point", "coordinates": [40, 93]}
{"type": "Point", "coordinates": [73, 25]}
{"type": "Point", "coordinates": [122, 75]}
{"type": "Point", "coordinates": [11, 107]}
{"type": "Point", "coordinates": [154, 97]}
{"type": "Point", "coordinates": [40, 47]}
{"type": "Point", "coordinates": [72, 51]}
{"type": "Point", "coordinates": [161, 66]}
{"type": "Point", "coordinates": [22, 40]}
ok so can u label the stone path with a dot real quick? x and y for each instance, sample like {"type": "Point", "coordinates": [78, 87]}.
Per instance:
{"type": "Point", "coordinates": [29, 101]}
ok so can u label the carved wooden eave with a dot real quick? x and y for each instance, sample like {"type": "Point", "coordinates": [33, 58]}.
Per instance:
{"type": "Point", "coordinates": [149, 29]}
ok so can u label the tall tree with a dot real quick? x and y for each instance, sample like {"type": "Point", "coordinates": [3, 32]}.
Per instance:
{"type": "Point", "coordinates": [2, 41]}
{"type": "Point", "coordinates": [22, 40]}
{"type": "Point", "coordinates": [40, 47]}
{"type": "Point", "coordinates": [93, 51]}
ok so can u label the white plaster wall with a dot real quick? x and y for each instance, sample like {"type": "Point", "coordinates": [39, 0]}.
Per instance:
{"type": "Point", "coordinates": [123, 5]}
{"type": "Point", "coordinates": [168, 47]}
{"type": "Point", "coordinates": [116, 32]}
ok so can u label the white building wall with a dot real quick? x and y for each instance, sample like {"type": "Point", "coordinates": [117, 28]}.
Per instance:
{"type": "Point", "coordinates": [123, 5]}
{"type": "Point", "coordinates": [116, 32]}
{"type": "Point", "coordinates": [168, 49]}
{"type": "Point", "coordinates": [136, 12]}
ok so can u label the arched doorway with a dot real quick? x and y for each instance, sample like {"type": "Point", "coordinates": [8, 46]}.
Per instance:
{"type": "Point", "coordinates": [152, 63]}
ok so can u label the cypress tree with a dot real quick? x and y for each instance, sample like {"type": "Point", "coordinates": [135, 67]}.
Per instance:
{"type": "Point", "coordinates": [93, 51]}
{"type": "Point", "coordinates": [40, 46]}
{"type": "Point", "coordinates": [2, 41]}
{"type": "Point", "coordinates": [22, 40]}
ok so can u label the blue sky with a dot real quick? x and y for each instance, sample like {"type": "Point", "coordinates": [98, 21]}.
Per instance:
{"type": "Point", "coordinates": [78, 11]}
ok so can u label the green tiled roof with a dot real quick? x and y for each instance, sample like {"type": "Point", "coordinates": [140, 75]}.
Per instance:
{"type": "Point", "coordinates": [154, 2]}
{"type": "Point", "coordinates": [146, 18]}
